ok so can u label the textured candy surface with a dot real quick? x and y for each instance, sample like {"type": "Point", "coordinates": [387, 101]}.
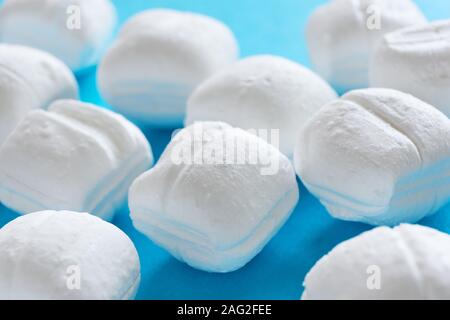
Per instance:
{"type": "Point", "coordinates": [84, 159]}
{"type": "Point", "coordinates": [416, 60]}
{"type": "Point", "coordinates": [215, 217]}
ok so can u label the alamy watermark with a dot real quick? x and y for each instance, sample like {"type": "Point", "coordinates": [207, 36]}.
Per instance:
{"type": "Point", "coordinates": [374, 280]}
{"type": "Point", "coordinates": [374, 14]}
{"type": "Point", "coordinates": [225, 147]}
{"type": "Point", "coordinates": [73, 277]}
{"type": "Point", "coordinates": [73, 21]}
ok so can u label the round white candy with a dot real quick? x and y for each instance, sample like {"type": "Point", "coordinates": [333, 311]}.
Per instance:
{"type": "Point", "coordinates": [416, 60]}
{"type": "Point", "coordinates": [66, 255]}
{"type": "Point", "coordinates": [158, 59]}
{"type": "Point", "coordinates": [75, 31]}
{"type": "Point", "coordinates": [208, 203]}
{"type": "Point", "coordinates": [75, 156]}
{"type": "Point", "coordinates": [262, 92]}
{"type": "Point", "coordinates": [342, 34]}
{"type": "Point", "coordinates": [408, 262]}
{"type": "Point", "coordinates": [377, 156]}
{"type": "Point", "coordinates": [30, 79]}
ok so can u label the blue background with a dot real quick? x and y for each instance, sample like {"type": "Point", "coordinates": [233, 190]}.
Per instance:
{"type": "Point", "coordinates": [269, 26]}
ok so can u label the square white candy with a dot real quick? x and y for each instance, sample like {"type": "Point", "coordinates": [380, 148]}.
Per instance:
{"type": "Point", "coordinates": [377, 156]}
{"type": "Point", "coordinates": [75, 157]}
{"type": "Point", "coordinates": [216, 216]}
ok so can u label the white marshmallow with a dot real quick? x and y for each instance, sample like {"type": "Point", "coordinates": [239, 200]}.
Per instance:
{"type": "Point", "coordinates": [66, 255]}
{"type": "Point", "coordinates": [30, 79]}
{"type": "Point", "coordinates": [75, 31]}
{"type": "Point", "coordinates": [74, 157]}
{"type": "Point", "coordinates": [377, 156]}
{"type": "Point", "coordinates": [216, 217]}
{"type": "Point", "coordinates": [416, 60]}
{"type": "Point", "coordinates": [408, 262]}
{"type": "Point", "coordinates": [262, 92]}
{"type": "Point", "coordinates": [158, 59]}
{"type": "Point", "coordinates": [341, 36]}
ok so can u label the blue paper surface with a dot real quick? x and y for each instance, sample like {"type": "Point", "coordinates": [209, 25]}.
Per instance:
{"type": "Point", "coordinates": [269, 26]}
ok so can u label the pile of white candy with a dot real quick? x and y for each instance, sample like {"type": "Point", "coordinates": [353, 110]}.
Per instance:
{"type": "Point", "coordinates": [378, 156]}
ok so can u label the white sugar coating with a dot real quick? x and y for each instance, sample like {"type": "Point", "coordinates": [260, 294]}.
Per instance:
{"type": "Point", "coordinates": [262, 92]}
{"type": "Point", "coordinates": [75, 31]}
{"type": "Point", "coordinates": [342, 34]}
{"type": "Point", "coordinates": [158, 59]}
{"type": "Point", "coordinates": [30, 79]}
{"type": "Point", "coordinates": [66, 255]}
{"type": "Point", "coordinates": [409, 262]}
{"type": "Point", "coordinates": [75, 156]}
{"type": "Point", "coordinates": [416, 60]}
{"type": "Point", "coordinates": [377, 156]}
{"type": "Point", "coordinates": [215, 217]}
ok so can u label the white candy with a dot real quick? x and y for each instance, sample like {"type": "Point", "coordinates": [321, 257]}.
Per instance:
{"type": "Point", "coordinates": [377, 156]}
{"type": "Point", "coordinates": [30, 79]}
{"type": "Point", "coordinates": [341, 36]}
{"type": "Point", "coordinates": [408, 262]}
{"type": "Point", "coordinates": [66, 255]}
{"type": "Point", "coordinates": [74, 157]}
{"type": "Point", "coordinates": [263, 92]}
{"type": "Point", "coordinates": [75, 31]}
{"type": "Point", "coordinates": [416, 60]}
{"type": "Point", "coordinates": [158, 59]}
{"type": "Point", "coordinates": [216, 217]}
